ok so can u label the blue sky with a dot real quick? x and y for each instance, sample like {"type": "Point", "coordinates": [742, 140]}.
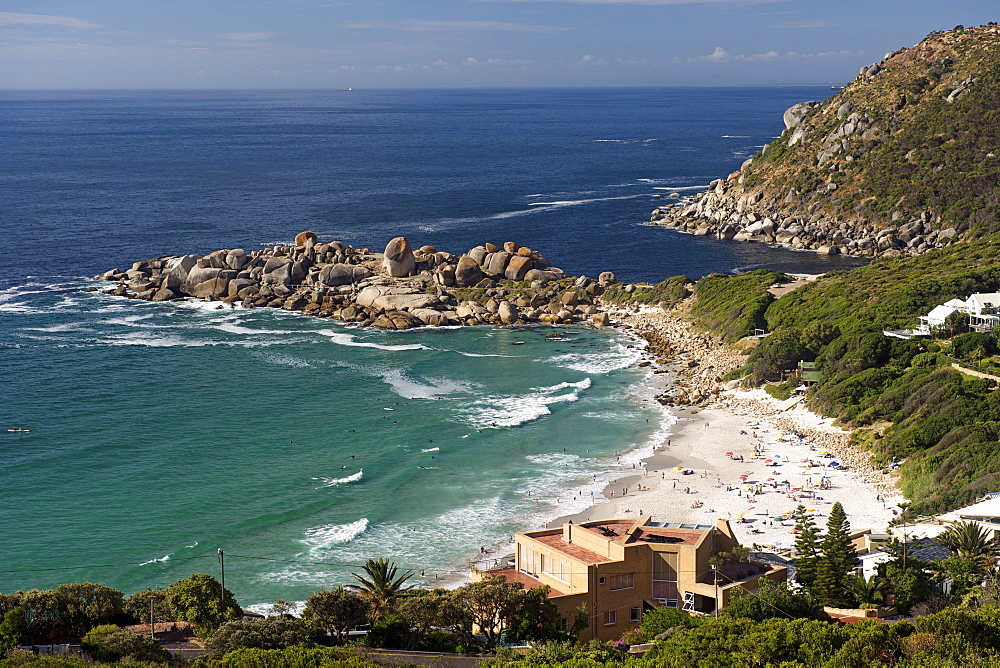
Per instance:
{"type": "Point", "coordinates": [458, 43]}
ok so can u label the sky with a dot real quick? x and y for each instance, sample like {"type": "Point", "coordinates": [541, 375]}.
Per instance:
{"type": "Point", "coordinates": [170, 44]}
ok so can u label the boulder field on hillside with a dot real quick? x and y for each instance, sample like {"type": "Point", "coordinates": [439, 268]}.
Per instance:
{"type": "Point", "coordinates": [399, 288]}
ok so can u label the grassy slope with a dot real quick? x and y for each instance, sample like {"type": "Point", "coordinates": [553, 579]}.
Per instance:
{"type": "Point", "coordinates": [944, 425]}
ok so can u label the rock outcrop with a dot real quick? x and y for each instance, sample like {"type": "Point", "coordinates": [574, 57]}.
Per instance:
{"type": "Point", "coordinates": [398, 289]}
{"type": "Point", "coordinates": [881, 169]}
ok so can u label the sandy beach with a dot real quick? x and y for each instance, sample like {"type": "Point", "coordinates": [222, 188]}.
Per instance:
{"type": "Point", "coordinates": [752, 460]}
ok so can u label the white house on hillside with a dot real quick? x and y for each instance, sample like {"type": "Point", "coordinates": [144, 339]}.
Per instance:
{"type": "Point", "coordinates": [982, 308]}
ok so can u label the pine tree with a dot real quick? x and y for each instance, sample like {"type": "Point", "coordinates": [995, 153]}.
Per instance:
{"type": "Point", "coordinates": [806, 548]}
{"type": "Point", "coordinates": [832, 586]}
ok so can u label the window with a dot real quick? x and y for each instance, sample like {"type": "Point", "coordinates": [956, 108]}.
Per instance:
{"type": "Point", "coordinates": [563, 625]}
{"type": "Point", "coordinates": [665, 578]}
{"type": "Point", "coordinates": [601, 581]}
{"type": "Point", "coordinates": [526, 561]}
{"type": "Point", "coordinates": [635, 614]}
{"type": "Point", "coordinates": [556, 569]}
{"type": "Point", "coordinates": [623, 581]}
{"type": "Point", "coordinates": [610, 617]}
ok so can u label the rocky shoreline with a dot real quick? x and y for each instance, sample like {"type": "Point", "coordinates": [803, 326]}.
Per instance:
{"type": "Point", "coordinates": [832, 137]}
{"type": "Point", "coordinates": [699, 362]}
{"type": "Point", "coordinates": [396, 289]}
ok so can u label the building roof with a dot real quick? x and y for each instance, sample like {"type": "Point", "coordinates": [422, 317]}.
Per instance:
{"type": "Point", "coordinates": [939, 313]}
{"type": "Point", "coordinates": [989, 508]}
{"type": "Point", "coordinates": [556, 542]}
{"type": "Point", "coordinates": [651, 535]}
{"type": "Point", "coordinates": [981, 300]}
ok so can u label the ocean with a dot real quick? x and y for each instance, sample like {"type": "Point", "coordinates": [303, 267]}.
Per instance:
{"type": "Point", "coordinates": [164, 432]}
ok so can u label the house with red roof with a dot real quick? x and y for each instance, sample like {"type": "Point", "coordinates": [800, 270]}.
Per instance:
{"type": "Point", "coordinates": [616, 569]}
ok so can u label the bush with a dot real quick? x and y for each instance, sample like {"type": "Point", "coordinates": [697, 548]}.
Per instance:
{"type": "Point", "coordinates": [267, 633]}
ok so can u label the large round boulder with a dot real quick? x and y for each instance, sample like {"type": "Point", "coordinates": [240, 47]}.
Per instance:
{"type": "Point", "coordinates": [399, 260]}
{"type": "Point", "coordinates": [333, 275]}
{"type": "Point", "coordinates": [518, 266]}
{"type": "Point", "coordinates": [306, 239]}
{"type": "Point", "coordinates": [468, 272]}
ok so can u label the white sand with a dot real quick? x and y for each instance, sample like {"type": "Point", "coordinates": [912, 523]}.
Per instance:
{"type": "Point", "coordinates": [727, 488]}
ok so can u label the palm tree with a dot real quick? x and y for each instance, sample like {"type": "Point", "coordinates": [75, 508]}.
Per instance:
{"type": "Point", "coordinates": [381, 586]}
{"type": "Point", "coordinates": [970, 540]}
{"type": "Point", "coordinates": [868, 592]}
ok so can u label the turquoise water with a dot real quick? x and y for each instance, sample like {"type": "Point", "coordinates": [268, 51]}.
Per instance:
{"type": "Point", "coordinates": [162, 426]}
{"type": "Point", "coordinates": [162, 432]}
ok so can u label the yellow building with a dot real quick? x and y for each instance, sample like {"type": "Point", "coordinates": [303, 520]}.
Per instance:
{"type": "Point", "coordinates": [617, 569]}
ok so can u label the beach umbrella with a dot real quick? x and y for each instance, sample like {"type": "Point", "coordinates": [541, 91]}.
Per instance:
{"type": "Point", "coordinates": [729, 454]}
{"type": "Point", "coordinates": [678, 468]}
{"type": "Point", "coordinates": [785, 482]}
{"type": "Point", "coordinates": [770, 479]}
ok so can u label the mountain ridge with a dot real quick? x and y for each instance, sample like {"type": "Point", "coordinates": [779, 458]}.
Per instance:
{"type": "Point", "coordinates": [904, 159]}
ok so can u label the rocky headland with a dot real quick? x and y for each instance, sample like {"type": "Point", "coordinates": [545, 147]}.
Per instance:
{"type": "Point", "coordinates": [398, 288]}
{"type": "Point", "coordinates": [903, 160]}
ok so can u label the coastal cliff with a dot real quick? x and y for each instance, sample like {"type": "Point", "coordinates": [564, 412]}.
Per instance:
{"type": "Point", "coordinates": [397, 289]}
{"type": "Point", "coordinates": [902, 160]}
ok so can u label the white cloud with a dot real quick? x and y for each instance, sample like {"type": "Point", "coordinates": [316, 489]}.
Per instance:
{"type": "Point", "coordinates": [419, 25]}
{"type": "Point", "coordinates": [720, 55]}
{"type": "Point", "coordinates": [804, 24]}
{"type": "Point", "coordinates": [11, 18]}
{"type": "Point", "coordinates": [657, 2]}
{"type": "Point", "coordinates": [246, 36]}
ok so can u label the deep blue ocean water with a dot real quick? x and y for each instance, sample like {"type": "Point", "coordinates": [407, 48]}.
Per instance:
{"type": "Point", "coordinates": [162, 432]}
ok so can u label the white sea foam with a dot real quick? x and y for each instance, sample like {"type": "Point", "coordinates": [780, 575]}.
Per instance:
{"type": "Point", "coordinates": [19, 307]}
{"type": "Point", "coordinates": [283, 360]}
{"type": "Point", "coordinates": [510, 411]}
{"type": "Point", "coordinates": [134, 321]}
{"type": "Point", "coordinates": [432, 388]}
{"type": "Point", "coordinates": [156, 341]}
{"type": "Point", "coordinates": [431, 449]}
{"type": "Point", "coordinates": [234, 327]}
{"type": "Point", "coordinates": [201, 305]}
{"type": "Point", "coordinates": [327, 536]}
{"type": "Point", "coordinates": [295, 608]}
{"type": "Point", "coordinates": [599, 361]}
{"type": "Point", "coordinates": [333, 482]}
{"type": "Point", "coordinates": [481, 355]}
{"type": "Point", "coordinates": [577, 202]}
{"type": "Point", "coordinates": [345, 339]}
{"type": "Point", "coordinates": [56, 329]}
{"type": "Point", "coordinates": [680, 189]}
{"type": "Point", "coordinates": [156, 561]}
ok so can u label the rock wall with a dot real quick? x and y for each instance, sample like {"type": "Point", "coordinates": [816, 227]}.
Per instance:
{"type": "Point", "coordinates": [398, 289]}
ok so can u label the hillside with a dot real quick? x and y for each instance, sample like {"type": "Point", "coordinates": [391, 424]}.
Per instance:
{"type": "Point", "coordinates": [903, 396]}
{"type": "Point", "coordinates": [902, 160]}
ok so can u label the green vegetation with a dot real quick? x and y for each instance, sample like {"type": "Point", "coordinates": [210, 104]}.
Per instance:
{"type": "Point", "coordinates": [666, 293]}
{"type": "Point", "coordinates": [201, 600]}
{"type": "Point", "coordinates": [944, 426]}
{"type": "Point", "coordinates": [733, 306]}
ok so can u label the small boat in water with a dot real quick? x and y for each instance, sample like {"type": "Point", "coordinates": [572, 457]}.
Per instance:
{"type": "Point", "coordinates": [18, 430]}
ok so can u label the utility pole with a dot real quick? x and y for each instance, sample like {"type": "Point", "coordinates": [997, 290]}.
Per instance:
{"type": "Point", "coordinates": [715, 579]}
{"type": "Point", "coordinates": [222, 565]}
